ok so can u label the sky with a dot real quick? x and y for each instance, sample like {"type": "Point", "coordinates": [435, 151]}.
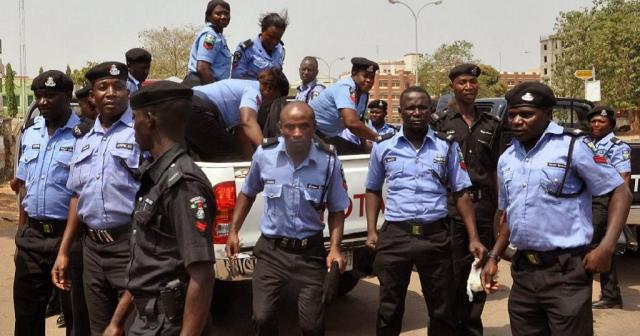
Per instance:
{"type": "Point", "coordinates": [505, 33]}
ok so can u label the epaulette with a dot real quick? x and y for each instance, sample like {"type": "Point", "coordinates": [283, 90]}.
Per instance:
{"type": "Point", "coordinates": [394, 127]}
{"type": "Point", "coordinates": [616, 141]}
{"type": "Point", "coordinates": [268, 142]}
{"type": "Point", "coordinates": [329, 149]}
{"type": "Point", "coordinates": [29, 123]}
{"type": "Point", "coordinates": [246, 44]}
{"type": "Point", "coordinates": [444, 136]}
{"type": "Point", "coordinates": [573, 131]}
{"type": "Point", "coordinates": [386, 136]}
{"type": "Point", "coordinates": [174, 174]}
{"type": "Point", "coordinates": [82, 128]}
{"type": "Point", "coordinates": [281, 42]}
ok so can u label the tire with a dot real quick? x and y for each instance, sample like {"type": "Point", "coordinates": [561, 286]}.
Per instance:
{"type": "Point", "coordinates": [348, 281]}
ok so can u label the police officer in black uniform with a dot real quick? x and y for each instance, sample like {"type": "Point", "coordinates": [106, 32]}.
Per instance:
{"type": "Point", "coordinates": [480, 138]}
{"type": "Point", "coordinates": [170, 274]}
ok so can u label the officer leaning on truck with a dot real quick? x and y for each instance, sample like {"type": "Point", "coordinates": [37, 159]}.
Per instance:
{"type": "Point", "coordinates": [618, 153]}
{"type": "Point", "coordinates": [300, 179]}
{"type": "Point", "coordinates": [170, 278]}
{"type": "Point", "coordinates": [546, 179]}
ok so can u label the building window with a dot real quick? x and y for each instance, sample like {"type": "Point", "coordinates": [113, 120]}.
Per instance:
{"type": "Point", "coordinates": [544, 46]}
{"type": "Point", "coordinates": [545, 71]}
{"type": "Point", "coordinates": [383, 83]}
{"type": "Point", "coordinates": [395, 84]}
{"type": "Point", "coordinates": [396, 97]}
{"type": "Point", "coordinates": [510, 83]}
{"type": "Point", "coordinates": [545, 59]}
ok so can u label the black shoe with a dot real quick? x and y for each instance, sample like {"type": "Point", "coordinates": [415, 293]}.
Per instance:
{"type": "Point", "coordinates": [607, 304]}
{"type": "Point", "coordinates": [60, 321]}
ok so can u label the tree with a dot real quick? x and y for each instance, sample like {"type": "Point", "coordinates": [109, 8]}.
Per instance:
{"type": "Point", "coordinates": [170, 47]}
{"type": "Point", "coordinates": [40, 71]}
{"type": "Point", "coordinates": [9, 89]}
{"type": "Point", "coordinates": [68, 71]}
{"type": "Point", "coordinates": [77, 75]}
{"type": "Point", "coordinates": [489, 80]}
{"type": "Point", "coordinates": [434, 72]}
{"type": "Point", "coordinates": [607, 37]}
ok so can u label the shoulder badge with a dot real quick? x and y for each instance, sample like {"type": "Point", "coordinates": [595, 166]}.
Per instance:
{"type": "Point", "coordinates": [209, 41]}
{"type": "Point", "coordinates": [246, 44]}
{"type": "Point", "coordinates": [330, 149]}
{"type": "Point", "coordinates": [463, 165]}
{"type": "Point", "coordinates": [269, 142]}
{"type": "Point", "coordinates": [616, 141]}
{"type": "Point", "coordinates": [198, 204]}
{"type": "Point", "coordinates": [352, 95]}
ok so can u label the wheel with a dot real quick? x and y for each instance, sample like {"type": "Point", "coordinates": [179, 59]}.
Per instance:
{"type": "Point", "coordinates": [348, 281]}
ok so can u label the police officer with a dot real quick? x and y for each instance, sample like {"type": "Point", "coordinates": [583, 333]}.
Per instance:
{"type": "Point", "coordinates": [262, 52]}
{"type": "Point", "coordinates": [342, 106]}
{"type": "Point", "coordinates": [310, 87]}
{"type": "Point", "coordinates": [603, 121]}
{"type": "Point", "coordinates": [300, 179]}
{"type": "Point", "coordinates": [546, 179]}
{"type": "Point", "coordinates": [138, 64]}
{"type": "Point", "coordinates": [480, 138]}
{"type": "Point", "coordinates": [87, 109]}
{"type": "Point", "coordinates": [103, 181]}
{"type": "Point", "coordinates": [377, 115]}
{"type": "Point", "coordinates": [43, 169]}
{"type": "Point", "coordinates": [210, 57]}
{"type": "Point", "coordinates": [227, 106]}
{"type": "Point", "coordinates": [171, 290]}
{"type": "Point", "coordinates": [419, 166]}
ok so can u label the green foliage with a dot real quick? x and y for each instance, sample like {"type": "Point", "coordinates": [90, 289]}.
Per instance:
{"type": "Point", "coordinates": [489, 80]}
{"type": "Point", "coordinates": [169, 47]}
{"type": "Point", "coordinates": [606, 36]}
{"type": "Point", "coordinates": [9, 90]}
{"type": "Point", "coordinates": [77, 75]}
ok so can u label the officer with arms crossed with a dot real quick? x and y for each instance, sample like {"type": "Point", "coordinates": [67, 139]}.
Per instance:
{"type": "Point", "coordinates": [603, 121]}
{"type": "Point", "coordinates": [300, 178]}
{"type": "Point", "coordinates": [480, 137]}
{"type": "Point", "coordinates": [262, 52]}
{"type": "Point", "coordinates": [309, 88]}
{"type": "Point", "coordinates": [210, 57]}
{"type": "Point", "coordinates": [342, 106]}
{"type": "Point", "coordinates": [103, 180]}
{"type": "Point", "coordinates": [225, 118]}
{"type": "Point", "coordinates": [170, 273]}
{"type": "Point", "coordinates": [419, 166]}
{"type": "Point", "coordinates": [138, 64]}
{"type": "Point", "coordinates": [43, 170]}
{"type": "Point", "coordinates": [546, 179]}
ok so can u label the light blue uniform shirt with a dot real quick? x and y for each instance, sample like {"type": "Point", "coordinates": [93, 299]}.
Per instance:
{"type": "Point", "coordinates": [538, 220]}
{"type": "Point", "coordinates": [211, 47]}
{"type": "Point", "coordinates": [414, 177]}
{"type": "Point", "coordinates": [230, 95]}
{"type": "Point", "coordinates": [347, 135]}
{"type": "Point", "coordinates": [308, 92]}
{"type": "Point", "coordinates": [44, 167]}
{"type": "Point", "coordinates": [616, 151]}
{"type": "Point", "coordinates": [101, 174]}
{"type": "Point", "coordinates": [133, 84]}
{"type": "Point", "coordinates": [288, 191]}
{"type": "Point", "coordinates": [327, 106]}
{"type": "Point", "coordinates": [249, 62]}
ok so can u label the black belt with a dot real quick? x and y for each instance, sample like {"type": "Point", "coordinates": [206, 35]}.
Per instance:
{"type": "Point", "coordinates": [108, 235]}
{"type": "Point", "coordinates": [48, 227]}
{"type": "Point", "coordinates": [421, 229]}
{"type": "Point", "coordinates": [477, 194]}
{"type": "Point", "coordinates": [548, 258]}
{"type": "Point", "coordinates": [293, 244]}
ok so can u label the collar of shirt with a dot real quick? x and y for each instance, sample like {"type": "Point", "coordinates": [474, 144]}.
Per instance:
{"type": "Point", "coordinates": [156, 168]}
{"type": "Point", "coordinates": [400, 135]}
{"type": "Point", "coordinates": [303, 87]}
{"type": "Point", "coordinates": [126, 118]}
{"type": "Point", "coordinates": [552, 129]}
{"type": "Point", "coordinates": [134, 80]}
{"type": "Point", "coordinates": [604, 141]}
{"type": "Point", "coordinates": [311, 157]}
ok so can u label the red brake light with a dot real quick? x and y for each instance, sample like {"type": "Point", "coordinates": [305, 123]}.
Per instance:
{"type": "Point", "coordinates": [225, 194]}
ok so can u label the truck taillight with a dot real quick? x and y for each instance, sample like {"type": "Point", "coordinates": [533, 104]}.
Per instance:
{"type": "Point", "coordinates": [225, 194]}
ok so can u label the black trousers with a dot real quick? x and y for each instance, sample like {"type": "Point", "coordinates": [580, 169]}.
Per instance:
{"type": "Point", "coordinates": [32, 285]}
{"type": "Point", "coordinates": [277, 267]}
{"type": "Point", "coordinates": [609, 287]}
{"type": "Point", "coordinates": [80, 322]}
{"type": "Point", "coordinates": [150, 320]}
{"type": "Point", "coordinates": [104, 274]}
{"type": "Point", "coordinates": [468, 314]}
{"type": "Point", "coordinates": [396, 254]}
{"type": "Point", "coordinates": [550, 300]}
{"type": "Point", "coordinates": [191, 79]}
{"type": "Point", "coordinates": [343, 147]}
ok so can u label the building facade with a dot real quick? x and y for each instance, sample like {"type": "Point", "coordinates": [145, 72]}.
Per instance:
{"type": "Point", "coordinates": [511, 79]}
{"type": "Point", "coordinates": [550, 51]}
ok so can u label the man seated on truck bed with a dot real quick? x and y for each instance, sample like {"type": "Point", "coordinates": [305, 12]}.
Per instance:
{"type": "Point", "coordinates": [300, 179]}
{"type": "Point", "coordinates": [225, 120]}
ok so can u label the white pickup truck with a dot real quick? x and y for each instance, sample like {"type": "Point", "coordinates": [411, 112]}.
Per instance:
{"type": "Point", "coordinates": [227, 180]}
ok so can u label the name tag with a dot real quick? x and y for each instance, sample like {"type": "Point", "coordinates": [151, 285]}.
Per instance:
{"type": "Point", "coordinates": [451, 132]}
{"type": "Point", "coordinates": [390, 159]}
{"type": "Point", "coordinates": [314, 186]}
{"type": "Point", "coordinates": [122, 145]}
{"type": "Point", "coordinates": [439, 160]}
{"type": "Point", "coordinates": [66, 149]}
{"type": "Point", "coordinates": [270, 181]}
{"type": "Point", "coordinates": [87, 146]}
{"type": "Point", "coordinates": [486, 132]}
{"type": "Point", "coordinates": [36, 146]}
{"type": "Point", "coordinates": [556, 165]}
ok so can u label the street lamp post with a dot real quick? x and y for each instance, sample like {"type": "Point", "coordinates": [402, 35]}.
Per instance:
{"type": "Point", "coordinates": [329, 64]}
{"type": "Point", "coordinates": [416, 15]}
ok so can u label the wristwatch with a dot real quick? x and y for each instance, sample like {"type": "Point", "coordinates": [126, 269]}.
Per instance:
{"type": "Point", "coordinates": [491, 255]}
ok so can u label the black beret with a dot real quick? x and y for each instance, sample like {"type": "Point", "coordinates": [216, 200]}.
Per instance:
{"type": "Point", "coordinates": [378, 104]}
{"type": "Point", "coordinates": [159, 92]}
{"type": "Point", "coordinates": [361, 63]}
{"type": "Point", "coordinates": [531, 94]}
{"type": "Point", "coordinates": [605, 111]}
{"type": "Point", "coordinates": [53, 80]}
{"type": "Point", "coordinates": [83, 92]}
{"type": "Point", "coordinates": [138, 55]}
{"type": "Point", "coordinates": [464, 69]}
{"type": "Point", "coordinates": [115, 70]}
